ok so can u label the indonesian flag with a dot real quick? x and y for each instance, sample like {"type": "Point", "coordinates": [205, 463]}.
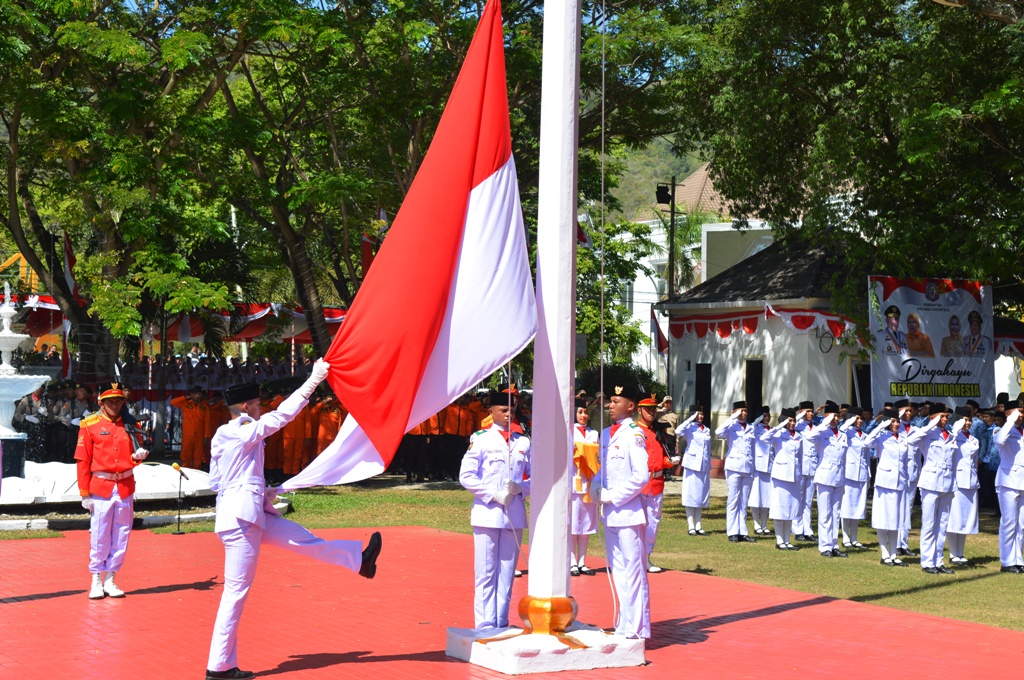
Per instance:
{"type": "Point", "coordinates": [661, 342]}
{"type": "Point", "coordinates": [449, 298]}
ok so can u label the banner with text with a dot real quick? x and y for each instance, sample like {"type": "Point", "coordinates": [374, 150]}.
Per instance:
{"type": "Point", "coordinates": [933, 341]}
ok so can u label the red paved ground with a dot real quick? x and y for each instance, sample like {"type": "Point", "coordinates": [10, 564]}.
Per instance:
{"type": "Point", "coordinates": [305, 620]}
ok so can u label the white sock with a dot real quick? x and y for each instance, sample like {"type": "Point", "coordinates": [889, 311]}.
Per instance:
{"type": "Point", "coordinates": [582, 541]}
{"type": "Point", "coordinates": [883, 543]}
{"type": "Point", "coordinates": [689, 519]}
{"type": "Point", "coordinates": [696, 514]}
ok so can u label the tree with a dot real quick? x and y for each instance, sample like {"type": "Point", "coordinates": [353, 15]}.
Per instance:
{"type": "Point", "coordinates": [898, 123]}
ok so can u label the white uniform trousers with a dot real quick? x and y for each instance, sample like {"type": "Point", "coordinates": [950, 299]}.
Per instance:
{"type": "Point", "coordinates": [829, 500]}
{"type": "Point", "coordinates": [1011, 524]}
{"type": "Point", "coordinates": [625, 552]}
{"type": "Point", "coordinates": [802, 525]}
{"type": "Point", "coordinates": [736, 504]}
{"type": "Point", "coordinates": [653, 520]}
{"type": "Point", "coordinates": [242, 552]}
{"type": "Point", "coordinates": [109, 529]}
{"type": "Point", "coordinates": [495, 553]}
{"type": "Point", "coordinates": [905, 514]}
{"type": "Point", "coordinates": [934, 522]}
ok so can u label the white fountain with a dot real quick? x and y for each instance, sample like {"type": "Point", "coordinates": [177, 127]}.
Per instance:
{"type": "Point", "coordinates": [13, 385]}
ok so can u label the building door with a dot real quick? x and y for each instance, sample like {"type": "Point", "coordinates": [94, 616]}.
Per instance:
{"type": "Point", "coordinates": [862, 385]}
{"type": "Point", "coordinates": [753, 381]}
{"type": "Point", "coordinates": [702, 387]}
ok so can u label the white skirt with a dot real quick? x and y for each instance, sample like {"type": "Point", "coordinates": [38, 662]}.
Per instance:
{"type": "Point", "coordinates": [761, 491]}
{"type": "Point", "coordinates": [963, 513]}
{"type": "Point", "coordinates": [584, 516]}
{"type": "Point", "coordinates": [787, 500]}
{"type": "Point", "coordinates": [885, 509]}
{"type": "Point", "coordinates": [855, 499]}
{"type": "Point", "coordinates": [696, 489]}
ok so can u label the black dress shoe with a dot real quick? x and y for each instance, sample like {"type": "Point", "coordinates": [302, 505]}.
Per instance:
{"type": "Point", "coordinates": [886, 563]}
{"type": "Point", "coordinates": [930, 570]}
{"type": "Point", "coordinates": [944, 570]}
{"type": "Point", "coordinates": [734, 539]}
{"type": "Point", "coordinates": [781, 546]}
{"type": "Point", "coordinates": [748, 539]}
{"type": "Point", "coordinates": [574, 570]}
{"type": "Point", "coordinates": [587, 571]}
{"type": "Point", "coordinates": [904, 552]}
{"type": "Point", "coordinates": [836, 552]}
{"type": "Point", "coordinates": [1010, 570]}
{"type": "Point", "coordinates": [368, 568]}
{"type": "Point", "coordinates": [827, 553]}
{"type": "Point", "coordinates": [701, 532]}
{"type": "Point", "coordinates": [229, 673]}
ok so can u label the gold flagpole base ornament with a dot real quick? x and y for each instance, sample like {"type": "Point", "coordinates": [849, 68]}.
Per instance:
{"type": "Point", "coordinates": [550, 616]}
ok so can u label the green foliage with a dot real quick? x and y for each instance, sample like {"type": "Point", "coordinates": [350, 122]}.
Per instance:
{"type": "Point", "coordinates": [619, 374]}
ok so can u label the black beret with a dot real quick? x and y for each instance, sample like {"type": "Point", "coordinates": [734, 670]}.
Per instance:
{"type": "Point", "coordinates": [581, 403]}
{"type": "Point", "coordinates": [696, 408]}
{"type": "Point", "coordinates": [632, 392]}
{"type": "Point", "coordinates": [765, 410]}
{"type": "Point", "coordinates": [739, 404]}
{"type": "Point", "coordinates": [1010, 405]}
{"type": "Point", "coordinates": [804, 405]}
{"type": "Point", "coordinates": [787, 413]}
{"type": "Point", "coordinates": [831, 408]}
{"type": "Point", "coordinates": [901, 403]}
{"type": "Point", "coordinates": [939, 408]}
{"type": "Point", "coordinates": [237, 394]}
{"type": "Point", "coordinates": [889, 414]}
{"type": "Point", "coordinates": [971, 402]}
{"type": "Point", "coordinates": [962, 411]}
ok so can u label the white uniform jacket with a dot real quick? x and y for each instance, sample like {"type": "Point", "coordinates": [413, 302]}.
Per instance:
{"type": "Point", "coordinates": [1009, 441]}
{"type": "Point", "coordinates": [739, 437]}
{"type": "Point", "coordinates": [857, 467]}
{"type": "Point", "coordinates": [697, 456]}
{"type": "Point", "coordinates": [623, 475]}
{"type": "Point", "coordinates": [236, 465]}
{"type": "Point", "coordinates": [764, 452]}
{"type": "Point", "coordinates": [892, 459]}
{"type": "Point", "coordinates": [789, 446]}
{"type": "Point", "coordinates": [965, 461]}
{"type": "Point", "coordinates": [487, 468]}
{"type": "Point", "coordinates": [937, 471]}
{"type": "Point", "coordinates": [809, 459]}
{"type": "Point", "coordinates": [832, 462]}
{"type": "Point", "coordinates": [914, 453]}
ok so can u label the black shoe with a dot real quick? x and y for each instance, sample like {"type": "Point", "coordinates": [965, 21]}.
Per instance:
{"type": "Point", "coordinates": [904, 552]}
{"type": "Point", "coordinates": [1010, 570]}
{"type": "Point", "coordinates": [574, 570]}
{"type": "Point", "coordinates": [369, 566]}
{"type": "Point", "coordinates": [944, 570]}
{"type": "Point", "coordinates": [781, 546]}
{"type": "Point", "coordinates": [836, 552]}
{"type": "Point", "coordinates": [734, 539]}
{"type": "Point", "coordinates": [701, 532]}
{"type": "Point", "coordinates": [587, 571]}
{"type": "Point", "coordinates": [897, 562]}
{"type": "Point", "coordinates": [930, 570]}
{"type": "Point", "coordinates": [827, 553]}
{"type": "Point", "coordinates": [692, 532]}
{"type": "Point", "coordinates": [886, 563]}
{"type": "Point", "coordinates": [748, 539]}
{"type": "Point", "coordinates": [229, 673]}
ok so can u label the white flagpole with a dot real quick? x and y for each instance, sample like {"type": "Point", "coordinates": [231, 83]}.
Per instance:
{"type": "Point", "coordinates": [554, 346]}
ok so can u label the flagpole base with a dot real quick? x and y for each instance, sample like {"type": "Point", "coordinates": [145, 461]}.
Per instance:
{"type": "Point", "coordinates": [547, 615]}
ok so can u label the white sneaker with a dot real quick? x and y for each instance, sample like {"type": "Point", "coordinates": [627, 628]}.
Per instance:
{"type": "Point", "coordinates": [96, 591]}
{"type": "Point", "coordinates": [110, 588]}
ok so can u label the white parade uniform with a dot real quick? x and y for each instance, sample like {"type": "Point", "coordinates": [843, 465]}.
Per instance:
{"type": "Point", "coordinates": [914, 456]}
{"type": "Point", "coordinates": [246, 520]}
{"type": "Point", "coordinates": [828, 479]}
{"type": "Point", "coordinates": [488, 467]}
{"type": "Point", "coordinates": [583, 515]}
{"type": "Point", "coordinates": [809, 465]}
{"type": "Point", "coordinates": [696, 463]}
{"type": "Point", "coordinates": [621, 480]}
{"type": "Point", "coordinates": [936, 486]}
{"type": "Point", "coordinates": [856, 474]}
{"type": "Point", "coordinates": [890, 478]}
{"type": "Point", "coordinates": [963, 512]}
{"type": "Point", "coordinates": [761, 488]}
{"type": "Point", "coordinates": [739, 472]}
{"type": "Point", "coordinates": [1009, 441]}
{"type": "Point", "coordinates": [787, 474]}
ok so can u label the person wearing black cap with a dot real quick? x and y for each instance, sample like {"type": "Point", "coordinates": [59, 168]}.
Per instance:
{"type": "Point", "coordinates": [496, 469]}
{"type": "Point", "coordinates": [936, 485]}
{"type": "Point", "coordinates": [828, 479]}
{"type": "Point", "coordinates": [856, 474]}
{"type": "Point", "coordinates": [696, 487]}
{"type": "Point", "coordinates": [893, 340]}
{"type": "Point", "coordinates": [976, 344]}
{"type": "Point", "coordinates": [787, 490]}
{"type": "Point", "coordinates": [246, 517]}
{"type": "Point", "coordinates": [658, 461]}
{"type": "Point", "coordinates": [802, 526]}
{"type": "Point", "coordinates": [739, 470]}
{"type": "Point", "coordinates": [583, 510]}
{"type": "Point", "coordinates": [963, 510]}
{"type": "Point", "coordinates": [1010, 489]}
{"type": "Point", "coordinates": [623, 475]}
{"type": "Point", "coordinates": [983, 428]}
{"type": "Point", "coordinates": [914, 456]}
{"type": "Point", "coordinates": [761, 488]}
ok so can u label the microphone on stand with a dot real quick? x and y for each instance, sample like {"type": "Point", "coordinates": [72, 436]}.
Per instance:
{"type": "Point", "coordinates": [180, 471]}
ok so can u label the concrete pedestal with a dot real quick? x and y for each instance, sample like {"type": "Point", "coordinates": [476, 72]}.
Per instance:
{"type": "Point", "coordinates": [521, 654]}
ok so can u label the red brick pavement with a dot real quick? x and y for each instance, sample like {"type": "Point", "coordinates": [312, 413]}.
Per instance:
{"type": "Point", "coordinates": [307, 620]}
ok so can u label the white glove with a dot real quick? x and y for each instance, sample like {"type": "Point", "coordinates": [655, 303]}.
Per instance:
{"type": "Point", "coordinates": [828, 418]}
{"type": "Point", "coordinates": [676, 460]}
{"type": "Point", "coordinates": [32, 419]}
{"type": "Point", "coordinates": [502, 497]}
{"type": "Point", "coordinates": [513, 488]}
{"type": "Point", "coordinates": [849, 422]}
{"type": "Point", "coordinates": [958, 426]}
{"type": "Point", "coordinates": [320, 369]}
{"type": "Point", "coordinates": [140, 454]}
{"type": "Point", "coordinates": [87, 504]}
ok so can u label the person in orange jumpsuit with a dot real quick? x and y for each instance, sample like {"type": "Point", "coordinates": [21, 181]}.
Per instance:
{"type": "Point", "coordinates": [106, 456]}
{"type": "Point", "coordinates": [456, 419]}
{"type": "Point", "coordinates": [217, 414]}
{"type": "Point", "coordinates": [329, 414]}
{"type": "Point", "coordinates": [194, 412]}
{"type": "Point", "coordinates": [274, 444]}
{"type": "Point", "coordinates": [657, 462]}
{"type": "Point", "coordinates": [296, 434]}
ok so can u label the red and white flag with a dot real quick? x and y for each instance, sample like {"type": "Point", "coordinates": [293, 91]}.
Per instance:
{"type": "Point", "coordinates": [661, 342]}
{"type": "Point", "coordinates": [449, 298]}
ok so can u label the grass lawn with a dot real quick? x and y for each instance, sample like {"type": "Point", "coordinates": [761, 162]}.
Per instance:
{"type": "Point", "coordinates": [978, 593]}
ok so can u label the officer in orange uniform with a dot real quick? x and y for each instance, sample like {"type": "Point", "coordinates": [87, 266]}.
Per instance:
{"type": "Point", "coordinates": [107, 455]}
{"type": "Point", "coordinates": [217, 414]}
{"type": "Point", "coordinates": [328, 415]}
{"type": "Point", "coordinates": [657, 462]}
{"type": "Point", "coordinates": [455, 420]}
{"type": "Point", "coordinates": [434, 455]}
{"type": "Point", "coordinates": [194, 425]}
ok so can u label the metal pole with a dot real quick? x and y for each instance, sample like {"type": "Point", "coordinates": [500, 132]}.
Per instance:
{"type": "Point", "coordinates": [671, 283]}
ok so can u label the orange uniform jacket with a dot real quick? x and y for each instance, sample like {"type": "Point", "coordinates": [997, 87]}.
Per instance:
{"type": "Point", "coordinates": [194, 418]}
{"type": "Point", "coordinates": [104, 446]}
{"type": "Point", "coordinates": [657, 462]}
{"type": "Point", "coordinates": [217, 415]}
{"type": "Point", "coordinates": [456, 419]}
{"type": "Point", "coordinates": [273, 446]}
{"type": "Point", "coordinates": [328, 423]}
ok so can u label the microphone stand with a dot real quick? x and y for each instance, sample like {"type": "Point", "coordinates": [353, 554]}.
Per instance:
{"type": "Point", "coordinates": [179, 532]}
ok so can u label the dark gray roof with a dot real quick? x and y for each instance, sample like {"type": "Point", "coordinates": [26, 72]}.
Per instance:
{"type": "Point", "coordinates": [776, 273]}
